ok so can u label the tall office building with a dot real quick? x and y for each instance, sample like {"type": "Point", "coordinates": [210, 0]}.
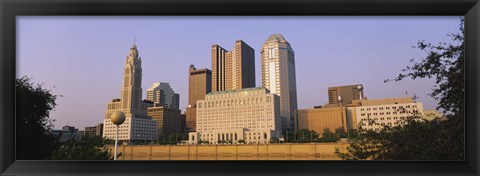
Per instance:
{"type": "Point", "coordinates": [199, 85]}
{"type": "Point", "coordinates": [346, 94]}
{"type": "Point", "coordinates": [168, 120]}
{"type": "Point", "coordinates": [138, 127]}
{"type": "Point", "coordinates": [161, 93]}
{"type": "Point", "coordinates": [232, 70]}
{"type": "Point", "coordinates": [278, 75]}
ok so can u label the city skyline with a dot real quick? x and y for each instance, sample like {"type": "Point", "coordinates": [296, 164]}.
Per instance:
{"type": "Point", "coordinates": [110, 50]}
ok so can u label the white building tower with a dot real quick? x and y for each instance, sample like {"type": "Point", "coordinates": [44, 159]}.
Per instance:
{"type": "Point", "coordinates": [162, 94]}
{"type": "Point", "coordinates": [131, 96]}
{"type": "Point", "coordinates": [278, 75]}
{"type": "Point", "coordinates": [138, 127]}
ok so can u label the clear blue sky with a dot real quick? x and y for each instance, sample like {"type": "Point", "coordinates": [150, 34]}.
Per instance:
{"type": "Point", "coordinates": [82, 58]}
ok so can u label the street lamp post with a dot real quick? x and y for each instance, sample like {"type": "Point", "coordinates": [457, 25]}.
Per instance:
{"type": "Point", "coordinates": [117, 118]}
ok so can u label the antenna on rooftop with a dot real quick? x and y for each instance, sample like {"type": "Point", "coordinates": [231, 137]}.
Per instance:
{"type": "Point", "coordinates": [414, 98]}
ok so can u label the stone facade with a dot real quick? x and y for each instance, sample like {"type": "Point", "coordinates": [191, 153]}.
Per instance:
{"type": "Point", "coordinates": [374, 114]}
{"type": "Point", "coordinates": [314, 151]}
{"type": "Point", "coordinates": [237, 115]}
{"type": "Point", "coordinates": [318, 119]}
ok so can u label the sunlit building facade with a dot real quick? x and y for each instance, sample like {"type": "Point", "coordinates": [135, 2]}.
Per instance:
{"type": "Point", "coordinates": [138, 127]}
{"type": "Point", "coordinates": [377, 113]}
{"type": "Point", "coordinates": [161, 93]}
{"type": "Point", "coordinates": [233, 69]}
{"type": "Point", "coordinates": [251, 115]}
{"type": "Point", "coordinates": [199, 84]}
{"type": "Point", "coordinates": [278, 75]}
{"type": "Point", "coordinates": [319, 119]}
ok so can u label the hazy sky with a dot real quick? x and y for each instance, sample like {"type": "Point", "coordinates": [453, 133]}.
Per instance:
{"type": "Point", "coordinates": [82, 58]}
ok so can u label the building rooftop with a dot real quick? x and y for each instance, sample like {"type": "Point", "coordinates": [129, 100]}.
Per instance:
{"type": "Point", "coordinates": [398, 100]}
{"type": "Point", "coordinates": [276, 37]}
{"type": "Point", "coordinates": [345, 86]}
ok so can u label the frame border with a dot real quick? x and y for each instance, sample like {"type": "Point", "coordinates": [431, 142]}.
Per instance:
{"type": "Point", "coordinates": [9, 9]}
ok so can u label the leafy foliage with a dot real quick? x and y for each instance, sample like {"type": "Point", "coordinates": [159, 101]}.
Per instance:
{"type": "Point", "coordinates": [34, 140]}
{"type": "Point", "coordinates": [329, 136]}
{"type": "Point", "coordinates": [172, 139]}
{"type": "Point", "coordinates": [34, 137]}
{"type": "Point", "coordinates": [424, 140]}
{"type": "Point", "coordinates": [445, 63]}
{"type": "Point", "coordinates": [89, 147]}
{"type": "Point", "coordinates": [301, 136]}
{"type": "Point", "coordinates": [307, 136]}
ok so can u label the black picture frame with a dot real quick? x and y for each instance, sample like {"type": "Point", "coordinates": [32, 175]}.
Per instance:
{"type": "Point", "coordinates": [9, 9]}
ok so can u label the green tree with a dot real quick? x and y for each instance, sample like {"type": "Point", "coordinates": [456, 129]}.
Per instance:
{"type": "Point", "coordinates": [302, 136]}
{"type": "Point", "coordinates": [341, 133]}
{"type": "Point", "coordinates": [89, 147]}
{"type": "Point", "coordinates": [274, 140]}
{"type": "Point", "coordinates": [329, 136]}
{"type": "Point", "coordinates": [424, 140]}
{"type": "Point", "coordinates": [362, 147]}
{"type": "Point", "coordinates": [34, 139]}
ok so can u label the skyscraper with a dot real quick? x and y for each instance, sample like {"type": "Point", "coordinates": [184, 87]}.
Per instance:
{"type": "Point", "coordinates": [232, 70]}
{"type": "Point", "coordinates": [199, 85]}
{"type": "Point", "coordinates": [131, 96]}
{"type": "Point", "coordinates": [162, 94]}
{"type": "Point", "coordinates": [278, 75]}
{"type": "Point", "coordinates": [138, 127]}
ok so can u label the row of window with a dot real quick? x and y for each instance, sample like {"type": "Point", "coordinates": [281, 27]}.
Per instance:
{"type": "Point", "coordinates": [235, 95]}
{"type": "Point", "coordinates": [254, 111]}
{"type": "Point", "coordinates": [225, 103]}
{"type": "Point", "coordinates": [388, 107]}
{"type": "Point", "coordinates": [234, 136]}
{"type": "Point", "coordinates": [201, 128]}
{"type": "Point", "coordinates": [382, 124]}
{"type": "Point", "coordinates": [230, 120]}
{"type": "Point", "coordinates": [383, 113]}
